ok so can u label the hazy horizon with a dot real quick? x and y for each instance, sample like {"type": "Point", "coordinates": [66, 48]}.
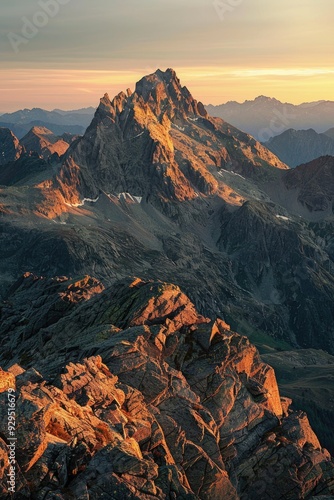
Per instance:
{"type": "Point", "coordinates": [64, 54]}
{"type": "Point", "coordinates": [92, 105]}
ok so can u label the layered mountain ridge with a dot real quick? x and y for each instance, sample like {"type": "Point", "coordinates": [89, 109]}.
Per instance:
{"type": "Point", "coordinates": [58, 121]}
{"type": "Point", "coordinates": [265, 117]}
{"type": "Point", "coordinates": [296, 147]}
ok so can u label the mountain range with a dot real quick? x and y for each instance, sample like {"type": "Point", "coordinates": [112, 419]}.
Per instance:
{"type": "Point", "coordinates": [58, 121]}
{"type": "Point", "coordinates": [266, 117]}
{"type": "Point", "coordinates": [137, 255]}
{"type": "Point", "coordinates": [301, 146]}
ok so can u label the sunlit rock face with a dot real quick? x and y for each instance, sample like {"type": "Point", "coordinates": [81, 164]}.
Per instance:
{"type": "Point", "coordinates": [44, 142]}
{"type": "Point", "coordinates": [158, 141]}
{"type": "Point", "coordinates": [136, 389]}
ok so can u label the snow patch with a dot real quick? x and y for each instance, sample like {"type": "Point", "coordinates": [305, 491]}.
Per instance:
{"type": "Point", "coordinates": [62, 223]}
{"type": "Point", "coordinates": [82, 202]}
{"type": "Point", "coordinates": [193, 119]}
{"type": "Point", "coordinates": [234, 173]}
{"type": "Point", "coordinates": [128, 197]}
{"type": "Point", "coordinates": [282, 217]}
{"type": "Point", "coordinates": [231, 172]}
{"type": "Point", "coordinates": [179, 128]}
{"type": "Point", "coordinates": [138, 135]}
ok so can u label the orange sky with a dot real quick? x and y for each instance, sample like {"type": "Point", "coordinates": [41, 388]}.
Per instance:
{"type": "Point", "coordinates": [221, 49]}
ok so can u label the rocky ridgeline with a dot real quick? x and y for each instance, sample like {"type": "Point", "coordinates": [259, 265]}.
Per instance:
{"type": "Point", "coordinates": [155, 400]}
{"type": "Point", "coordinates": [45, 143]}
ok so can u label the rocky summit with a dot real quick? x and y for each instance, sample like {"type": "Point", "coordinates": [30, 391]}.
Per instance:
{"type": "Point", "coordinates": [44, 142]}
{"type": "Point", "coordinates": [157, 143]}
{"type": "Point", "coordinates": [128, 392]}
{"type": "Point", "coordinates": [138, 387]}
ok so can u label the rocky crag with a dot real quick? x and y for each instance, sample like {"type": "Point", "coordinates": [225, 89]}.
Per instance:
{"type": "Point", "coordinates": [128, 392]}
{"type": "Point", "coordinates": [10, 148]}
{"type": "Point", "coordinates": [42, 141]}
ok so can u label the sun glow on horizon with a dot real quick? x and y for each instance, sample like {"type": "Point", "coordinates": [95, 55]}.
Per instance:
{"type": "Point", "coordinates": [77, 88]}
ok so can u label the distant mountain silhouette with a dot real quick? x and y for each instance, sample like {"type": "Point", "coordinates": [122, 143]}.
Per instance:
{"type": "Point", "coordinates": [58, 121]}
{"type": "Point", "coordinates": [266, 117]}
{"type": "Point", "coordinates": [300, 146]}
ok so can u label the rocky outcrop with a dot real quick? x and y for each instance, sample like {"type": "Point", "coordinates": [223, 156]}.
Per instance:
{"type": "Point", "coordinates": [156, 401]}
{"type": "Point", "coordinates": [45, 143]}
{"type": "Point", "coordinates": [10, 148]}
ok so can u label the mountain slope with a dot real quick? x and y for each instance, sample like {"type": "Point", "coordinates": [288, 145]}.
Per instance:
{"type": "Point", "coordinates": [295, 147]}
{"type": "Point", "coordinates": [314, 183]}
{"type": "Point", "coordinates": [330, 133]}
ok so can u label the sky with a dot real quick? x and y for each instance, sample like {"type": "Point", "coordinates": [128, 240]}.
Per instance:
{"type": "Point", "coordinates": [67, 53]}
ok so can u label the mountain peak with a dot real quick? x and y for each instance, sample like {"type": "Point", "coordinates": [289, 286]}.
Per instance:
{"type": "Point", "coordinates": [265, 99]}
{"type": "Point", "coordinates": [163, 91]}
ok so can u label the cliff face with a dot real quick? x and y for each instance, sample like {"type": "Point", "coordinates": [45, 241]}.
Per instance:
{"type": "Point", "coordinates": [10, 148]}
{"type": "Point", "coordinates": [155, 400]}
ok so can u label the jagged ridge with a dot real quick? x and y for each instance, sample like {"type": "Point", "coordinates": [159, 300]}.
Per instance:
{"type": "Point", "coordinates": [167, 403]}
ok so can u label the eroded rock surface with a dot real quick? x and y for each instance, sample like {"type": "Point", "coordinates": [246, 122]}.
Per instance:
{"type": "Point", "coordinates": [155, 401]}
